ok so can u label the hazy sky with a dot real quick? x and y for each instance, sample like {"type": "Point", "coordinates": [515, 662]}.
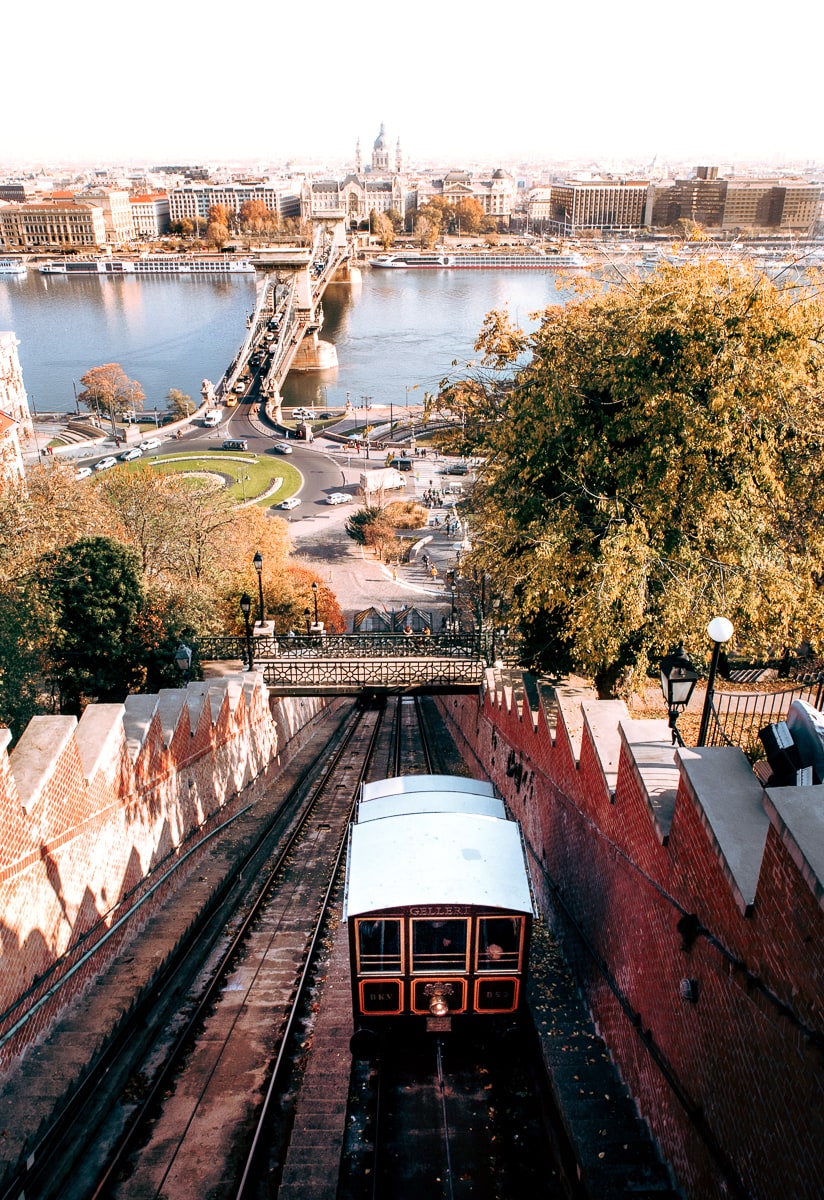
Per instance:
{"type": "Point", "coordinates": [707, 82]}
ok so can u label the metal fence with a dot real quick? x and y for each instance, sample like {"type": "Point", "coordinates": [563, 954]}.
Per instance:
{"type": "Point", "coordinates": [345, 646]}
{"type": "Point", "coordinates": [736, 717]}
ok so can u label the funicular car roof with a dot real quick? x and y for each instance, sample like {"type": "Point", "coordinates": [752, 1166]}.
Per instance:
{"type": "Point", "coordinates": [442, 858]}
{"type": "Point", "coordinates": [418, 783]}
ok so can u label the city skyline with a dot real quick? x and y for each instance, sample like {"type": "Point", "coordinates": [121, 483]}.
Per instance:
{"type": "Point", "coordinates": [636, 84]}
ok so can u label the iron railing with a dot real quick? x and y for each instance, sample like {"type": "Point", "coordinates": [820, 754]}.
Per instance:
{"type": "Point", "coordinates": [353, 675]}
{"type": "Point", "coordinates": [344, 646]}
{"type": "Point", "coordinates": [735, 718]}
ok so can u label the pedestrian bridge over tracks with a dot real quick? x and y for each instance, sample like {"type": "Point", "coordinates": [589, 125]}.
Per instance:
{"type": "Point", "coordinates": [350, 664]}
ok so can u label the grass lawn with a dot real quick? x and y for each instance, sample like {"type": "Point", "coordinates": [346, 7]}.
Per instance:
{"type": "Point", "coordinates": [247, 475]}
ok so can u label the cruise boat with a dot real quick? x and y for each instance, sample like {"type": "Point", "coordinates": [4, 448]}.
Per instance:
{"type": "Point", "coordinates": [150, 264]}
{"type": "Point", "coordinates": [482, 261]}
{"type": "Point", "coordinates": [12, 266]}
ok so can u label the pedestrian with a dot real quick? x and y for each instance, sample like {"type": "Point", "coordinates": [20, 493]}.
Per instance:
{"type": "Point", "coordinates": [395, 574]}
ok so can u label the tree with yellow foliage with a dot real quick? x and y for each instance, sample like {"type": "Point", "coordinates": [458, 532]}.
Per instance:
{"type": "Point", "coordinates": [653, 459]}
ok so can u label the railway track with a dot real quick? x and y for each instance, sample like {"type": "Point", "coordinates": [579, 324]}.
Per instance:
{"type": "Point", "coordinates": [448, 1119]}
{"type": "Point", "coordinates": [196, 1097]}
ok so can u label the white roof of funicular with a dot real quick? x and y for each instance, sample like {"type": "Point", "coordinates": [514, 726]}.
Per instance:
{"type": "Point", "coordinates": [402, 784]}
{"type": "Point", "coordinates": [436, 858]}
{"type": "Point", "coordinates": [418, 802]}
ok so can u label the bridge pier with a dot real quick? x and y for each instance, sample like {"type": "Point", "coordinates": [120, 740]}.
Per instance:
{"type": "Point", "coordinates": [313, 354]}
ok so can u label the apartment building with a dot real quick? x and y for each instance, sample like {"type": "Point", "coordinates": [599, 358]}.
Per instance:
{"type": "Point", "coordinates": [193, 201]}
{"type": "Point", "coordinates": [150, 215]}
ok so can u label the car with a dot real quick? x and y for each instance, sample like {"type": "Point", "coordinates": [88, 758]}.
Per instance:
{"type": "Point", "coordinates": [150, 444]}
{"type": "Point", "coordinates": [338, 498]}
{"type": "Point", "coordinates": [240, 388]}
{"type": "Point", "coordinates": [83, 473]}
{"type": "Point", "coordinates": [128, 455]}
{"type": "Point", "coordinates": [234, 444]}
{"type": "Point", "coordinates": [105, 463]}
{"type": "Point", "coordinates": [282, 448]}
{"type": "Point", "coordinates": [292, 502]}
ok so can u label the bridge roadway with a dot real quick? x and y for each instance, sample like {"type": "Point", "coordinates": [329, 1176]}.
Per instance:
{"type": "Point", "coordinates": [350, 664]}
{"type": "Point", "coordinates": [286, 312]}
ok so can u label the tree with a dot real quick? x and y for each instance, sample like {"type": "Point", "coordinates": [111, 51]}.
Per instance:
{"type": "Point", "coordinates": [217, 234]}
{"type": "Point", "coordinates": [383, 229]}
{"type": "Point", "coordinates": [108, 390]}
{"type": "Point", "coordinates": [96, 592]}
{"type": "Point", "coordinates": [657, 461]}
{"type": "Point", "coordinates": [180, 405]}
{"type": "Point", "coordinates": [469, 215]}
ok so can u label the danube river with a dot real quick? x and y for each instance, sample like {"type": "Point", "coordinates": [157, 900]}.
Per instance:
{"type": "Point", "coordinates": [397, 333]}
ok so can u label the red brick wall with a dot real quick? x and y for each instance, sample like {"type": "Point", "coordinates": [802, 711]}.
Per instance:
{"type": "Point", "coordinates": [732, 1085]}
{"type": "Point", "coordinates": [87, 849]}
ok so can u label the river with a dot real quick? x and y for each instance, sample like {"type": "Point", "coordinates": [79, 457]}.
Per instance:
{"type": "Point", "coordinates": [397, 333]}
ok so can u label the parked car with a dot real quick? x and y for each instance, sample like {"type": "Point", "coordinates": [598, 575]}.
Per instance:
{"type": "Point", "coordinates": [338, 498]}
{"type": "Point", "coordinates": [282, 448]}
{"type": "Point", "coordinates": [83, 473]}
{"type": "Point", "coordinates": [292, 502]}
{"type": "Point", "coordinates": [105, 463]}
{"type": "Point", "coordinates": [150, 444]}
{"type": "Point", "coordinates": [134, 452]}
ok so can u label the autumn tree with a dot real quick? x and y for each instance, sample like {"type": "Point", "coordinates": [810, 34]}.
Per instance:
{"type": "Point", "coordinates": [469, 215]}
{"type": "Point", "coordinates": [108, 390]}
{"type": "Point", "coordinates": [653, 459]}
{"type": "Point", "coordinates": [180, 405]}
{"type": "Point", "coordinates": [383, 229]}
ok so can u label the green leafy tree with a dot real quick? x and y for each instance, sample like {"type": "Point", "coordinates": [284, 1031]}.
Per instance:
{"type": "Point", "coordinates": [180, 405]}
{"type": "Point", "coordinates": [653, 459]}
{"type": "Point", "coordinates": [108, 390]}
{"type": "Point", "coordinates": [95, 589]}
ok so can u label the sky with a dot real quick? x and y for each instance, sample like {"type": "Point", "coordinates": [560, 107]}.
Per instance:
{"type": "Point", "coordinates": [712, 82]}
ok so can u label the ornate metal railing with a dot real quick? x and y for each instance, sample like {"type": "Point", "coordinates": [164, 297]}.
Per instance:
{"type": "Point", "coordinates": [358, 674]}
{"type": "Point", "coordinates": [345, 646]}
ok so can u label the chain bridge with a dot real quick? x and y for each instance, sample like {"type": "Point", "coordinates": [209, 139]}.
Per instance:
{"type": "Point", "coordinates": [349, 664]}
{"type": "Point", "coordinates": [283, 329]}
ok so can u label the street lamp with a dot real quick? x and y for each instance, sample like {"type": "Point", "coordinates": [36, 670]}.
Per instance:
{"type": "Point", "coordinates": [678, 680]}
{"type": "Point", "coordinates": [258, 565]}
{"type": "Point", "coordinates": [315, 598]}
{"type": "Point", "coordinates": [307, 616]}
{"type": "Point", "coordinates": [246, 608]}
{"type": "Point", "coordinates": [720, 630]}
{"type": "Point", "coordinates": [183, 661]}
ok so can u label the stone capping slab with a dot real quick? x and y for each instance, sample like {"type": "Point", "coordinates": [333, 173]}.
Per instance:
{"type": "Point", "coordinates": [217, 694]}
{"type": "Point", "coordinates": [99, 737]}
{"type": "Point", "coordinates": [798, 816]}
{"type": "Point", "coordinates": [5, 737]}
{"type": "Point", "coordinates": [569, 700]}
{"type": "Point", "coordinates": [196, 694]}
{"type": "Point", "coordinates": [34, 759]}
{"type": "Point", "coordinates": [169, 707]}
{"type": "Point", "coordinates": [730, 803]}
{"type": "Point", "coordinates": [139, 711]}
{"type": "Point", "coordinates": [651, 755]}
{"type": "Point", "coordinates": [602, 718]}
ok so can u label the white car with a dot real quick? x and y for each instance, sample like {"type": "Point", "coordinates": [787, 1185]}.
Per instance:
{"type": "Point", "coordinates": [105, 463]}
{"type": "Point", "coordinates": [128, 455]}
{"type": "Point", "coordinates": [292, 502]}
{"type": "Point", "coordinates": [338, 498]}
{"type": "Point", "coordinates": [282, 448]}
{"type": "Point", "coordinates": [83, 473]}
{"type": "Point", "coordinates": [150, 444]}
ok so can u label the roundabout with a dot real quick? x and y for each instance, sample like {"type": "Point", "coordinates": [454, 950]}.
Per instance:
{"type": "Point", "coordinates": [249, 479]}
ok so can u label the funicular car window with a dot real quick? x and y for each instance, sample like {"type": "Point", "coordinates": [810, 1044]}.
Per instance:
{"type": "Point", "coordinates": [439, 944]}
{"type": "Point", "coordinates": [379, 947]}
{"type": "Point", "coordinates": [499, 943]}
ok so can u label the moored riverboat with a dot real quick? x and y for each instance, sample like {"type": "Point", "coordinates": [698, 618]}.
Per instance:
{"type": "Point", "coordinates": [12, 266]}
{"type": "Point", "coordinates": [150, 264]}
{"type": "Point", "coordinates": [482, 261]}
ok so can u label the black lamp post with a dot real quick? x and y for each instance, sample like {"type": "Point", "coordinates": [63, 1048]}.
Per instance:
{"type": "Point", "coordinates": [307, 616]}
{"type": "Point", "coordinates": [678, 680]}
{"type": "Point", "coordinates": [258, 564]}
{"type": "Point", "coordinates": [720, 630]}
{"type": "Point", "coordinates": [315, 598]}
{"type": "Point", "coordinates": [183, 661]}
{"type": "Point", "coordinates": [246, 608]}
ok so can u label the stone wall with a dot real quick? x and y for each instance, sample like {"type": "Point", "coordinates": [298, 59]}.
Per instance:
{"type": "Point", "coordinates": [93, 813]}
{"type": "Point", "coordinates": [689, 902]}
